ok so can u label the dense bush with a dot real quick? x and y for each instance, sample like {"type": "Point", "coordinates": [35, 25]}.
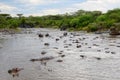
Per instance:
{"type": "Point", "coordinates": [80, 20]}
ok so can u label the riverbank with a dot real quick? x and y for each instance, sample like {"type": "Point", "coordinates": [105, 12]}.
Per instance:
{"type": "Point", "coordinates": [9, 31]}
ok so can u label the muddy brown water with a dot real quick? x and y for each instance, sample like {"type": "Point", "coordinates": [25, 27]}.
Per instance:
{"type": "Point", "coordinates": [16, 51]}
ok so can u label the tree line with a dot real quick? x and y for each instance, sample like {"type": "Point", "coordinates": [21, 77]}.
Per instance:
{"type": "Point", "coordinates": [81, 20]}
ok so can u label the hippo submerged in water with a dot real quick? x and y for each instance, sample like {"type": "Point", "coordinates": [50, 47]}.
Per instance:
{"type": "Point", "coordinates": [15, 71]}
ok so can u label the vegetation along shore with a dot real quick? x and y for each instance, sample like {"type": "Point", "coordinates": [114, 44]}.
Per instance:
{"type": "Point", "coordinates": [89, 21]}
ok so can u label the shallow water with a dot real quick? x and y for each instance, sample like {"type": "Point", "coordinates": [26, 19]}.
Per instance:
{"type": "Point", "coordinates": [17, 50]}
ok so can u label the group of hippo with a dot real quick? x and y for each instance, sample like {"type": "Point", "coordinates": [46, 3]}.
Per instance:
{"type": "Point", "coordinates": [44, 60]}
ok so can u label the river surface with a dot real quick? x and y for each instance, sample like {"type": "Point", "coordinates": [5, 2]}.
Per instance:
{"type": "Point", "coordinates": [101, 53]}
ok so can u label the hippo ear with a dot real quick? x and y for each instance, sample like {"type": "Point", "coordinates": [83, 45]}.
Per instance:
{"type": "Point", "coordinates": [9, 71]}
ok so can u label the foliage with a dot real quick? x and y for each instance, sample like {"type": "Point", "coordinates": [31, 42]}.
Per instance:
{"type": "Point", "coordinates": [80, 20]}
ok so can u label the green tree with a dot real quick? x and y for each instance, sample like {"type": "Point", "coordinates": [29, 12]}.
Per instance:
{"type": "Point", "coordinates": [19, 15]}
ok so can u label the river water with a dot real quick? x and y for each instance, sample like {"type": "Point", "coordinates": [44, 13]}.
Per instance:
{"type": "Point", "coordinates": [100, 62]}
